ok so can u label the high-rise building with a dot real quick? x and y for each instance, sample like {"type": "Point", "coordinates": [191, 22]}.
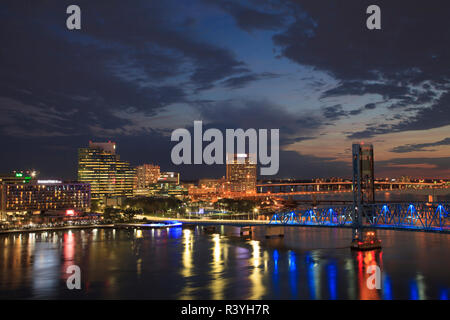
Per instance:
{"type": "Point", "coordinates": [146, 175]}
{"type": "Point", "coordinates": [101, 167]}
{"type": "Point", "coordinates": [241, 174]}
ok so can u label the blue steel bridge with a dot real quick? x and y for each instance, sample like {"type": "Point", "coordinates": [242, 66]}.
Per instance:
{"type": "Point", "coordinates": [418, 216]}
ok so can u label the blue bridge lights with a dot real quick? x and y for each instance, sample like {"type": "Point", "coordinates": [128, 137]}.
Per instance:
{"type": "Point", "coordinates": [412, 212]}
{"type": "Point", "coordinates": [275, 261]}
{"type": "Point", "coordinates": [442, 211]}
{"type": "Point", "coordinates": [418, 216]}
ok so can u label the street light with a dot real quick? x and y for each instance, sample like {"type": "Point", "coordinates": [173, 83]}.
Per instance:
{"type": "Point", "coordinates": [255, 210]}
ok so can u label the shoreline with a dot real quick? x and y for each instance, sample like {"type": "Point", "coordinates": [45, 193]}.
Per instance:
{"type": "Point", "coordinates": [93, 226]}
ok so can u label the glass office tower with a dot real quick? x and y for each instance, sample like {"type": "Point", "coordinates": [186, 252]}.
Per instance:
{"type": "Point", "coordinates": [241, 174]}
{"type": "Point", "coordinates": [101, 167]}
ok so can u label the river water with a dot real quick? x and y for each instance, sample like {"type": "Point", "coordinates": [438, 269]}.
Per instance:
{"type": "Point", "coordinates": [187, 263]}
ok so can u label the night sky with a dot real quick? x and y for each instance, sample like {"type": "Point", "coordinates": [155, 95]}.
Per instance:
{"type": "Point", "coordinates": [139, 69]}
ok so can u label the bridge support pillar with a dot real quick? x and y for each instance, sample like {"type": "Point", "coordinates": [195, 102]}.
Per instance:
{"type": "Point", "coordinates": [363, 193]}
{"type": "Point", "coordinates": [209, 229]}
{"type": "Point", "coordinates": [246, 231]}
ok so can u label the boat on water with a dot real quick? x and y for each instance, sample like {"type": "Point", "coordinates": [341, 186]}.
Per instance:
{"type": "Point", "coordinates": [369, 241]}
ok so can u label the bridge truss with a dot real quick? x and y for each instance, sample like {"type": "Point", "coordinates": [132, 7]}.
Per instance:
{"type": "Point", "coordinates": [419, 216]}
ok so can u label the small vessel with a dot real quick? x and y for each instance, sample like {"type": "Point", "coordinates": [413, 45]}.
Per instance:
{"type": "Point", "coordinates": [368, 241]}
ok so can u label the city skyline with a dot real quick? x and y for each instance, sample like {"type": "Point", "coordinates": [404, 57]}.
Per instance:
{"type": "Point", "coordinates": [231, 64]}
{"type": "Point", "coordinates": [237, 156]}
{"type": "Point", "coordinates": [222, 171]}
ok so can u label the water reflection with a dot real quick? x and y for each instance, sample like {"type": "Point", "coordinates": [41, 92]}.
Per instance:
{"type": "Point", "coordinates": [256, 276]}
{"type": "Point", "coordinates": [351, 287]}
{"type": "Point", "coordinates": [293, 274]}
{"type": "Point", "coordinates": [45, 270]}
{"type": "Point", "coordinates": [218, 282]}
{"type": "Point", "coordinates": [68, 252]}
{"type": "Point", "coordinates": [275, 261]}
{"type": "Point", "coordinates": [387, 287]}
{"type": "Point", "coordinates": [443, 295]}
{"type": "Point", "coordinates": [188, 242]}
{"type": "Point", "coordinates": [187, 264]}
{"type": "Point", "coordinates": [313, 270]}
{"type": "Point", "coordinates": [364, 260]}
{"type": "Point", "coordinates": [275, 275]}
{"type": "Point", "coordinates": [418, 288]}
{"type": "Point", "coordinates": [332, 279]}
{"type": "Point", "coordinates": [175, 232]}
{"type": "Point", "coordinates": [187, 261]}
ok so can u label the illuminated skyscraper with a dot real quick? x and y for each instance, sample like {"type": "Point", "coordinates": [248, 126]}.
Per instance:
{"type": "Point", "coordinates": [146, 175]}
{"type": "Point", "coordinates": [241, 174]}
{"type": "Point", "coordinates": [101, 167]}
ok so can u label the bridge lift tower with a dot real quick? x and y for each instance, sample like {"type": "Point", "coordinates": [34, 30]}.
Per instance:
{"type": "Point", "coordinates": [363, 194]}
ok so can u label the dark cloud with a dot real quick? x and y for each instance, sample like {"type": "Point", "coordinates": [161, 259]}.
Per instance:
{"type": "Point", "coordinates": [435, 116]}
{"type": "Point", "coordinates": [125, 58]}
{"type": "Point", "coordinates": [387, 91]}
{"type": "Point", "coordinates": [359, 53]}
{"type": "Point", "coordinates": [355, 112]}
{"type": "Point", "coordinates": [440, 163]}
{"type": "Point", "coordinates": [60, 152]}
{"type": "Point", "coordinates": [259, 114]}
{"type": "Point", "coordinates": [420, 146]}
{"type": "Point", "coordinates": [288, 141]}
{"type": "Point", "coordinates": [417, 167]}
{"type": "Point", "coordinates": [416, 99]}
{"type": "Point", "coordinates": [242, 81]}
{"type": "Point", "coordinates": [334, 112]}
{"type": "Point", "coordinates": [256, 18]}
{"type": "Point", "coordinates": [311, 167]}
{"type": "Point", "coordinates": [407, 62]}
{"type": "Point", "coordinates": [369, 106]}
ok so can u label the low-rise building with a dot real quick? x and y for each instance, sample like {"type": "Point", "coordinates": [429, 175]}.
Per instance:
{"type": "Point", "coordinates": [44, 196]}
